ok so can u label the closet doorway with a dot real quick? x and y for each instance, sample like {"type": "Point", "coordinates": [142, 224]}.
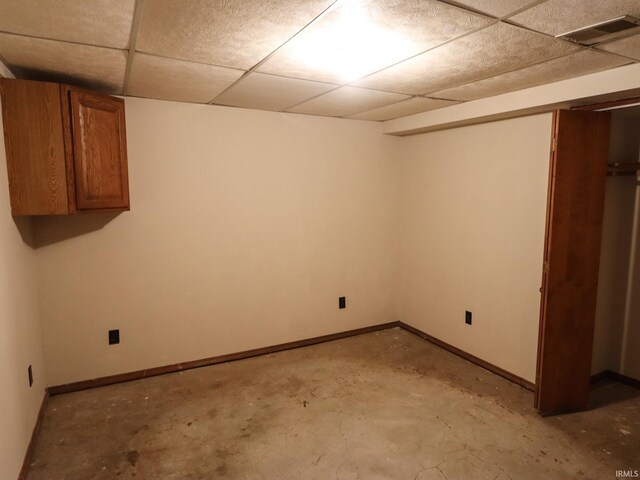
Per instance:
{"type": "Point", "coordinates": [586, 160]}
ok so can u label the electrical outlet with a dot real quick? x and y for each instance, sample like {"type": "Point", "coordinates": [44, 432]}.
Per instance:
{"type": "Point", "coordinates": [30, 372]}
{"type": "Point", "coordinates": [114, 337]}
{"type": "Point", "coordinates": [342, 302]}
{"type": "Point", "coordinates": [467, 317]}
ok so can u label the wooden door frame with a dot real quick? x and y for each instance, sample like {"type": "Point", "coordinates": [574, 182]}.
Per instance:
{"type": "Point", "coordinates": [545, 253]}
{"type": "Point", "coordinates": [557, 389]}
{"type": "Point", "coordinates": [610, 104]}
{"type": "Point", "coordinates": [613, 104]}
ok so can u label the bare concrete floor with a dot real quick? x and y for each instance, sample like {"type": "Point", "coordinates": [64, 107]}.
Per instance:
{"type": "Point", "coordinates": [386, 405]}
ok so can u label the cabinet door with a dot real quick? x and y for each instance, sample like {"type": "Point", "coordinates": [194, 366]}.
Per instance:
{"type": "Point", "coordinates": [99, 151]}
{"type": "Point", "coordinates": [34, 147]}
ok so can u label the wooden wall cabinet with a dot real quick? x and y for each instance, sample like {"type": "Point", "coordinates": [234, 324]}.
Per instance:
{"type": "Point", "coordinates": [66, 149]}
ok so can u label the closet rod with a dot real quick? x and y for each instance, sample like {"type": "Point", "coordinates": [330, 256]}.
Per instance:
{"type": "Point", "coordinates": [618, 169]}
{"type": "Point", "coordinates": [624, 166]}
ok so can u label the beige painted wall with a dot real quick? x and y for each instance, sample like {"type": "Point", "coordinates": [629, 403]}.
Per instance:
{"type": "Point", "coordinates": [626, 147]}
{"type": "Point", "coordinates": [473, 209]}
{"type": "Point", "coordinates": [20, 339]}
{"type": "Point", "coordinates": [617, 334]}
{"type": "Point", "coordinates": [245, 228]}
{"type": "Point", "coordinates": [613, 274]}
{"type": "Point", "coordinates": [630, 352]}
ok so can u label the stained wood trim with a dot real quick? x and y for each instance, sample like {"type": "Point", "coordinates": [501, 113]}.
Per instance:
{"type": "Point", "coordinates": [471, 358]}
{"type": "Point", "coordinates": [572, 250]}
{"type": "Point", "coordinates": [609, 104]}
{"type": "Point", "coordinates": [67, 136]}
{"type": "Point", "coordinates": [611, 375]}
{"type": "Point", "coordinates": [545, 252]}
{"type": "Point", "coordinates": [598, 377]}
{"type": "Point", "coordinates": [34, 147]}
{"type": "Point", "coordinates": [632, 382]}
{"type": "Point", "coordinates": [34, 436]}
{"type": "Point", "coordinates": [79, 101]}
{"type": "Point", "coordinates": [178, 367]}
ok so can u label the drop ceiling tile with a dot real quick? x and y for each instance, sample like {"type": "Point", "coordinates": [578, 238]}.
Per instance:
{"type": "Point", "coordinates": [234, 34]}
{"type": "Point", "coordinates": [574, 65]}
{"type": "Point", "coordinates": [95, 22]}
{"type": "Point", "coordinates": [96, 67]}
{"type": "Point", "coordinates": [497, 8]}
{"type": "Point", "coordinates": [491, 51]}
{"type": "Point", "coordinates": [169, 79]}
{"type": "Point", "coordinates": [347, 101]}
{"type": "Point", "coordinates": [556, 17]}
{"type": "Point", "coordinates": [404, 108]}
{"type": "Point", "coordinates": [360, 36]}
{"type": "Point", "coordinates": [269, 92]}
{"type": "Point", "coordinates": [629, 47]}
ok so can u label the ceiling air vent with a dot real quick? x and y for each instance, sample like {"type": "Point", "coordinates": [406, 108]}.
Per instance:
{"type": "Point", "coordinates": [601, 32]}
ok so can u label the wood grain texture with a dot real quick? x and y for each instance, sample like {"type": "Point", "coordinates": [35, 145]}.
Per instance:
{"type": "Point", "coordinates": [66, 149]}
{"type": "Point", "coordinates": [545, 259]}
{"type": "Point", "coordinates": [572, 254]}
{"type": "Point", "coordinates": [99, 150]}
{"type": "Point", "coordinates": [31, 113]}
{"type": "Point", "coordinates": [67, 137]}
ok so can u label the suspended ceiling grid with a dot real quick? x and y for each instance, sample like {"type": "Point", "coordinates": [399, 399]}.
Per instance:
{"type": "Point", "coordinates": [256, 54]}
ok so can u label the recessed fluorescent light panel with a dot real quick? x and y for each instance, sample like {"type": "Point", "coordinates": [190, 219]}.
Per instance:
{"type": "Point", "coordinates": [353, 46]}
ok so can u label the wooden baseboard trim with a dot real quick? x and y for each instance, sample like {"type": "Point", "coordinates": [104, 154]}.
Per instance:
{"type": "Point", "coordinates": [177, 367]}
{"type": "Point", "coordinates": [632, 382]}
{"type": "Point", "coordinates": [598, 377]}
{"type": "Point", "coordinates": [611, 375]}
{"type": "Point", "coordinates": [34, 435]}
{"type": "Point", "coordinates": [471, 358]}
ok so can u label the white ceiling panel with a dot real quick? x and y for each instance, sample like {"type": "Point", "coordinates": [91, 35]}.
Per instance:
{"type": "Point", "coordinates": [360, 36]}
{"type": "Point", "coordinates": [269, 92]}
{"type": "Point", "coordinates": [497, 8]}
{"type": "Point", "coordinates": [491, 51]}
{"type": "Point", "coordinates": [347, 101]}
{"type": "Point", "coordinates": [629, 47]}
{"type": "Point", "coordinates": [34, 58]}
{"type": "Point", "coordinates": [222, 32]}
{"type": "Point", "coordinates": [94, 22]}
{"type": "Point", "coordinates": [581, 63]}
{"type": "Point", "coordinates": [404, 108]}
{"type": "Point", "coordinates": [369, 59]}
{"type": "Point", "coordinates": [556, 17]}
{"type": "Point", "coordinates": [169, 79]}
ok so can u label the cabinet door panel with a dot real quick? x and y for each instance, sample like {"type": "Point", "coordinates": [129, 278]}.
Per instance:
{"type": "Point", "coordinates": [34, 148]}
{"type": "Point", "coordinates": [100, 156]}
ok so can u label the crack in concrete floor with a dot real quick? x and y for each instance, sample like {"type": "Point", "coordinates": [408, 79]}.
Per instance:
{"type": "Point", "coordinates": [386, 405]}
